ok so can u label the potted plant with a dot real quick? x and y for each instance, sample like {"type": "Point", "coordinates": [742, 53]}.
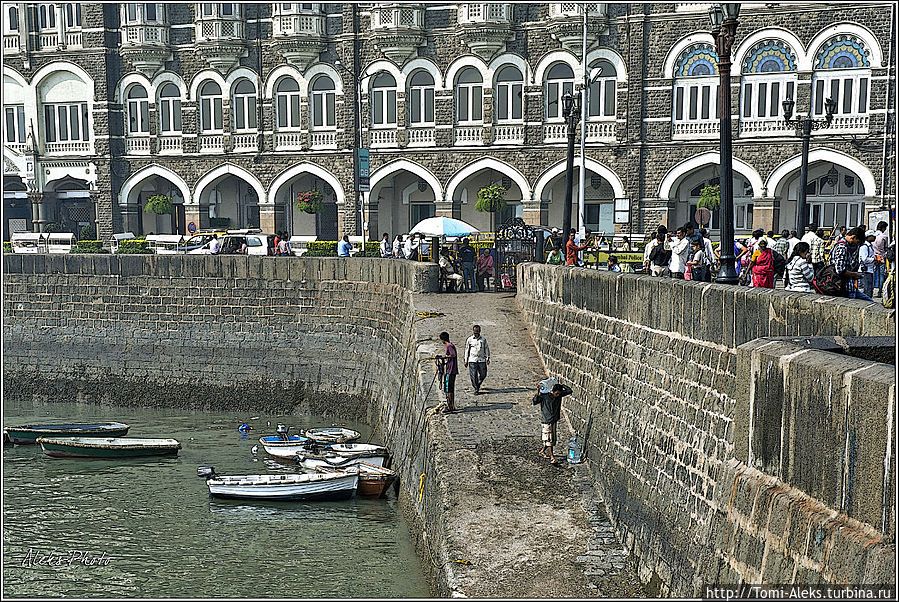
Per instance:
{"type": "Point", "coordinates": [159, 204]}
{"type": "Point", "coordinates": [710, 197]}
{"type": "Point", "coordinates": [309, 201]}
{"type": "Point", "coordinates": [491, 199]}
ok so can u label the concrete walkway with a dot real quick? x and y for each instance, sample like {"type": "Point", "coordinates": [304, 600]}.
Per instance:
{"type": "Point", "coordinates": [529, 529]}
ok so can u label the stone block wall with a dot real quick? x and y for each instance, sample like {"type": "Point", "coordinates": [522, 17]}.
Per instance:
{"type": "Point", "coordinates": [653, 364]}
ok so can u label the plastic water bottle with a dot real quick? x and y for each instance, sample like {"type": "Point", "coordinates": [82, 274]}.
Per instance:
{"type": "Point", "coordinates": [575, 449]}
{"type": "Point", "coordinates": [547, 384]}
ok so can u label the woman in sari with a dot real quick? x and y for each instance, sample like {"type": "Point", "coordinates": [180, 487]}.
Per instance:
{"type": "Point", "coordinates": [761, 266]}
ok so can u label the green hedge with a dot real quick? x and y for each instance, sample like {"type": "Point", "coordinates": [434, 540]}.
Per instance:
{"type": "Point", "coordinates": [133, 246]}
{"type": "Point", "coordinates": [89, 246]}
{"type": "Point", "coordinates": [7, 247]}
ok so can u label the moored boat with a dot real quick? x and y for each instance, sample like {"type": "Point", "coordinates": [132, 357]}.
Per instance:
{"type": "Point", "coordinates": [337, 485]}
{"type": "Point", "coordinates": [28, 433]}
{"type": "Point", "coordinates": [358, 450]}
{"type": "Point", "coordinates": [312, 461]}
{"type": "Point", "coordinates": [332, 435]}
{"type": "Point", "coordinates": [373, 480]}
{"type": "Point", "coordinates": [107, 447]}
{"type": "Point", "coordinates": [278, 446]}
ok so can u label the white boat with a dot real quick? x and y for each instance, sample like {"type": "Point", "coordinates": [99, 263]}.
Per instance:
{"type": "Point", "coordinates": [358, 450]}
{"type": "Point", "coordinates": [332, 435]}
{"type": "Point", "coordinates": [338, 485]}
{"type": "Point", "coordinates": [276, 446]}
{"type": "Point", "coordinates": [316, 461]}
{"type": "Point", "coordinates": [373, 480]}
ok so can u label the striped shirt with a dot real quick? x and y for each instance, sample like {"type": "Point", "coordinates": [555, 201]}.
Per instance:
{"type": "Point", "coordinates": [816, 251]}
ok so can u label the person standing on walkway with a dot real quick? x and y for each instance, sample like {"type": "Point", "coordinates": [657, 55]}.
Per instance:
{"type": "Point", "coordinates": [761, 266]}
{"type": "Point", "coordinates": [398, 247]}
{"type": "Point", "coordinates": [386, 247]}
{"type": "Point", "coordinates": [816, 247]}
{"type": "Point", "coordinates": [881, 242]}
{"type": "Point", "coordinates": [468, 256]}
{"type": "Point", "coordinates": [485, 269]}
{"type": "Point", "coordinates": [555, 257]}
{"type": "Point", "coordinates": [344, 247]}
{"type": "Point", "coordinates": [572, 249]}
{"type": "Point", "coordinates": [214, 245]}
{"type": "Point", "coordinates": [451, 369]}
{"type": "Point", "coordinates": [550, 413]}
{"type": "Point", "coordinates": [477, 358]}
{"type": "Point", "coordinates": [867, 261]}
{"type": "Point", "coordinates": [680, 250]}
{"type": "Point", "coordinates": [844, 259]}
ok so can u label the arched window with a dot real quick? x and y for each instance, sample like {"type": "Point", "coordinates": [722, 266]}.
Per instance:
{"type": "Point", "coordinates": [138, 110]}
{"type": "Point", "coordinates": [383, 100]}
{"type": "Point", "coordinates": [12, 16]}
{"type": "Point", "coordinates": [323, 98]}
{"type": "Point", "coordinates": [842, 72]}
{"type": "Point", "coordinates": [170, 109]}
{"type": "Point", "coordinates": [469, 96]}
{"type": "Point", "coordinates": [602, 94]}
{"type": "Point", "coordinates": [73, 15]}
{"type": "Point", "coordinates": [559, 81]}
{"type": "Point", "coordinates": [421, 99]}
{"type": "Point", "coordinates": [46, 16]}
{"type": "Point", "coordinates": [509, 88]}
{"type": "Point", "coordinates": [288, 103]}
{"type": "Point", "coordinates": [696, 85]}
{"type": "Point", "coordinates": [769, 78]}
{"type": "Point", "coordinates": [244, 108]}
{"type": "Point", "coordinates": [210, 107]}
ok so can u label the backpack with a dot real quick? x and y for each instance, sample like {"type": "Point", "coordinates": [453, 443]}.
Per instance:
{"type": "Point", "coordinates": [828, 282]}
{"type": "Point", "coordinates": [779, 262]}
{"type": "Point", "coordinates": [659, 256]}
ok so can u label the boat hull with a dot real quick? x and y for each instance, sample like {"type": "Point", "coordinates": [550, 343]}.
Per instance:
{"type": "Point", "coordinates": [374, 485]}
{"type": "Point", "coordinates": [313, 463]}
{"type": "Point", "coordinates": [105, 448]}
{"type": "Point", "coordinates": [28, 434]}
{"type": "Point", "coordinates": [303, 488]}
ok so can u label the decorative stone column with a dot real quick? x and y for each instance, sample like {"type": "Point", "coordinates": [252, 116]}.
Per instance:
{"type": "Point", "coordinates": [36, 198]}
{"type": "Point", "coordinates": [764, 214]}
{"type": "Point", "coordinates": [102, 199]}
{"type": "Point", "coordinates": [267, 217]}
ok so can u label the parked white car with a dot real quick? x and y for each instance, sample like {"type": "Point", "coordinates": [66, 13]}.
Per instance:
{"type": "Point", "coordinates": [257, 243]}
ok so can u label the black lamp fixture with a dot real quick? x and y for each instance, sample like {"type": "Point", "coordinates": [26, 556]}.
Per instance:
{"type": "Point", "coordinates": [571, 112]}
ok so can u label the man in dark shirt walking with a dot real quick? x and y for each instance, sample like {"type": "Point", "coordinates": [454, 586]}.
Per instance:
{"type": "Point", "coordinates": [468, 256]}
{"type": "Point", "coordinates": [451, 369]}
{"type": "Point", "coordinates": [550, 412]}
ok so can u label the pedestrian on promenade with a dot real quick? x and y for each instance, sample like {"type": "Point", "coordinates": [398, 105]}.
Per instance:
{"type": "Point", "coordinates": [867, 260]}
{"type": "Point", "coordinates": [283, 246]}
{"type": "Point", "coordinates": [555, 257]}
{"type": "Point", "coordinates": [386, 247]}
{"type": "Point", "coordinates": [680, 249]}
{"type": "Point", "coordinates": [477, 358]}
{"type": "Point", "coordinates": [410, 248]}
{"type": "Point", "coordinates": [214, 245]}
{"type": "Point", "coordinates": [658, 257]}
{"type": "Point", "coordinates": [451, 369]}
{"type": "Point", "coordinates": [792, 242]}
{"type": "Point", "coordinates": [398, 246]}
{"type": "Point", "coordinates": [799, 271]}
{"type": "Point", "coordinates": [612, 264]}
{"type": "Point", "coordinates": [344, 247]}
{"type": "Point", "coordinates": [485, 269]}
{"type": "Point", "coordinates": [550, 413]}
{"type": "Point", "coordinates": [691, 233]}
{"type": "Point", "coordinates": [700, 263]}
{"type": "Point", "coordinates": [881, 242]}
{"type": "Point", "coordinates": [815, 239]}
{"type": "Point", "coordinates": [453, 280]}
{"type": "Point", "coordinates": [782, 244]}
{"type": "Point", "coordinates": [468, 256]}
{"type": "Point", "coordinates": [572, 249]}
{"type": "Point", "coordinates": [761, 265]}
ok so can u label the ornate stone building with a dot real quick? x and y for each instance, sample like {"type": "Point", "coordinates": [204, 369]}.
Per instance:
{"type": "Point", "coordinates": [232, 109]}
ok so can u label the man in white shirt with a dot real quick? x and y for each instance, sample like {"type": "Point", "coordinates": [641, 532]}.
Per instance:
{"type": "Point", "coordinates": [809, 236]}
{"type": "Point", "coordinates": [866, 262]}
{"type": "Point", "coordinates": [680, 249]}
{"type": "Point", "coordinates": [409, 246]}
{"type": "Point", "coordinates": [386, 248]}
{"type": "Point", "coordinates": [477, 358]}
{"type": "Point", "coordinates": [792, 241]}
{"type": "Point", "coordinates": [214, 245]}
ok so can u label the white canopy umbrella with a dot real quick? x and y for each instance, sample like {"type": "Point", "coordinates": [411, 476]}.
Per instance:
{"type": "Point", "coordinates": [443, 226]}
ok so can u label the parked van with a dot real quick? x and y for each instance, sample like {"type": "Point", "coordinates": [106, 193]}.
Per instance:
{"type": "Point", "coordinates": [60, 242]}
{"type": "Point", "coordinates": [165, 244]}
{"type": "Point", "coordinates": [29, 242]}
{"type": "Point", "coordinates": [232, 242]}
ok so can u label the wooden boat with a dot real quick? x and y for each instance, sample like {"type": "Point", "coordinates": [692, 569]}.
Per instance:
{"type": "Point", "coordinates": [278, 446]}
{"type": "Point", "coordinates": [28, 433]}
{"type": "Point", "coordinates": [99, 447]}
{"type": "Point", "coordinates": [332, 435]}
{"type": "Point", "coordinates": [337, 485]}
{"type": "Point", "coordinates": [358, 450]}
{"type": "Point", "coordinates": [373, 480]}
{"type": "Point", "coordinates": [312, 461]}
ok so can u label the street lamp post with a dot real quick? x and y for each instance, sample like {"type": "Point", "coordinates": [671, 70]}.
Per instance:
{"type": "Point", "coordinates": [571, 109]}
{"type": "Point", "coordinates": [724, 28]}
{"type": "Point", "coordinates": [804, 125]}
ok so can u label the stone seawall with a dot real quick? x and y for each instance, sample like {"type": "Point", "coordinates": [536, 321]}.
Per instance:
{"type": "Point", "coordinates": [657, 392]}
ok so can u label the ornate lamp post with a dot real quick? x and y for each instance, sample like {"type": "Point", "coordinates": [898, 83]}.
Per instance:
{"type": "Point", "coordinates": [724, 27]}
{"type": "Point", "coordinates": [804, 125]}
{"type": "Point", "coordinates": [571, 110]}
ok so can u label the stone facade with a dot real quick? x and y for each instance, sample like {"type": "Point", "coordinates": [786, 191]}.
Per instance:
{"type": "Point", "coordinates": [639, 150]}
{"type": "Point", "coordinates": [671, 380]}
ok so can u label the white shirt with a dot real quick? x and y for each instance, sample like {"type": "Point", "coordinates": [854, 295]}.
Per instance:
{"type": "Point", "coordinates": [385, 248]}
{"type": "Point", "coordinates": [808, 237]}
{"type": "Point", "coordinates": [801, 275]}
{"type": "Point", "coordinates": [680, 250]}
{"type": "Point", "coordinates": [397, 247]}
{"type": "Point", "coordinates": [709, 250]}
{"type": "Point", "coordinates": [649, 247]}
{"type": "Point", "coordinates": [214, 246]}
{"type": "Point", "coordinates": [476, 349]}
{"type": "Point", "coordinates": [866, 256]}
{"type": "Point", "coordinates": [793, 242]}
{"type": "Point", "coordinates": [407, 248]}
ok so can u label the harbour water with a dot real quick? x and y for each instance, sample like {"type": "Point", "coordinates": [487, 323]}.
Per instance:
{"type": "Point", "coordinates": [147, 527]}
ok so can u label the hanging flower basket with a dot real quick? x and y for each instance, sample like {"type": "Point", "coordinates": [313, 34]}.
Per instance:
{"type": "Point", "coordinates": [159, 204]}
{"type": "Point", "coordinates": [491, 199]}
{"type": "Point", "coordinates": [710, 198]}
{"type": "Point", "coordinates": [309, 201]}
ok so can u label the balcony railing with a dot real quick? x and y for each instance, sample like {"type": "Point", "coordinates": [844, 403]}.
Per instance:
{"type": "Point", "coordinates": [170, 145]}
{"type": "Point", "coordinates": [73, 39]}
{"type": "Point", "coordinates": [573, 9]}
{"type": "Point", "coordinates": [468, 135]}
{"type": "Point", "coordinates": [294, 25]}
{"type": "Point", "coordinates": [210, 143]}
{"type": "Point", "coordinates": [382, 138]}
{"type": "Point", "coordinates": [393, 16]}
{"type": "Point", "coordinates": [244, 142]}
{"type": "Point", "coordinates": [420, 136]}
{"type": "Point", "coordinates": [850, 123]}
{"type": "Point", "coordinates": [323, 139]}
{"type": "Point", "coordinates": [11, 43]}
{"type": "Point", "coordinates": [555, 132]}
{"type": "Point", "coordinates": [17, 148]}
{"type": "Point", "coordinates": [691, 129]}
{"type": "Point", "coordinates": [73, 146]}
{"type": "Point", "coordinates": [220, 29]}
{"type": "Point", "coordinates": [49, 40]}
{"type": "Point", "coordinates": [482, 13]}
{"type": "Point", "coordinates": [140, 35]}
{"type": "Point", "coordinates": [289, 140]}
{"type": "Point", "coordinates": [135, 145]}
{"type": "Point", "coordinates": [508, 134]}
{"type": "Point", "coordinates": [764, 127]}
{"type": "Point", "coordinates": [600, 130]}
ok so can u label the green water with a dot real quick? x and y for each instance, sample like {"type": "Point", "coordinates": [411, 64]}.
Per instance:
{"type": "Point", "coordinates": [147, 527]}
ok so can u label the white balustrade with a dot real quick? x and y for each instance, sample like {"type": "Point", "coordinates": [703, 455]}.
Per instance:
{"type": "Point", "coordinates": [137, 145]}
{"type": "Point", "coordinates": [382, 138]}
{"type": "Point", "coordinates": [211, 143]}
{"type": "Point", "coordinates": [289, 140]}
{"type": "Point", "coordinates": [17, 148]}
{"type": "Point", "coordinates": [508, 134]}
{"type": "Point", "coordinates": [323, 139]}
{"type": "Point", "coordinates": [420, 136]}
{"type": "Point", "coordinates": [468, 135]}
{"type": "Point", "coordinates": [555, 132]}
{"type": "Point", "coordinates": [573, 9]}
{"type": "Point", "coordinates": [220, 29]}
{"type": "Point", "coordinates": [691, 129]}
{"type": "Point", "coordinates": [74, 146]}
{"type": "Point", "coordinates": [49, 40]}
{"type": "Point", "coordinates": [600, 130]}
{"type": "Point", "coordinates": [764, 127]}
{"type": "Point", "coordinates": [853, 123]}
{"type": "Point", "coordinates": [11, 43]}
{"type": "Point", "coordinates": [139, 35]}
{"type": "Point", "coordinates": [292, 25]}
{"type": "Point", "coordinates": [170, 145]}
{"type": "Point", "coordinates": [244, 142]}
{"type": "Point", "coordinates": [73, 39]}
{"type": "Point", "coordinates": [392, 16]}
